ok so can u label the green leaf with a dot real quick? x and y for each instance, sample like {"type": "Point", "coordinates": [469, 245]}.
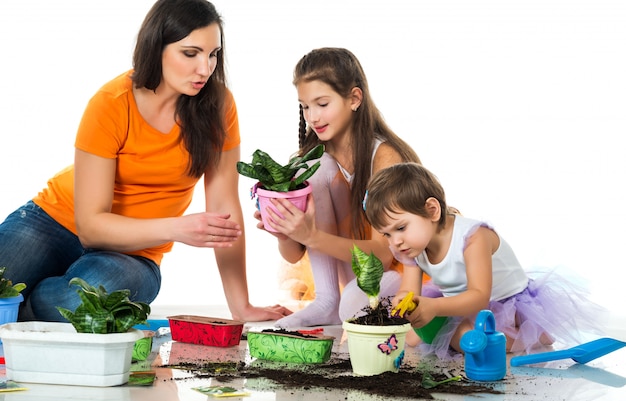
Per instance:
{"type": "Point", "coordinates": [280, 186]}
{"type": "Point", "coordinates": [368, 270]}
{"type": "Point", "coordinates": [7, 288]}
{"type": "Point", "coordinates": [263, 175]}
{"type": "Point", "coordinates": [306, 175]}
{"type": "Point", "coordinates": [19, 287]}
{"type": "Point", "coordinates": [428, 381]}
{"type": "Point", "coordinates": [248, 170]}
{"type": "Point", "coordinates": [314, 153]}
{"type": "Point", "coordinates": [88, 322]}
{"type": "Point", "coordinates": [91, 300]}
{"type": "Point", "coordinates": [66, 313]}
{"type": "Point", "coordinates": [116, 299]}
{"type": "Point", "coordinates": [278, 172]}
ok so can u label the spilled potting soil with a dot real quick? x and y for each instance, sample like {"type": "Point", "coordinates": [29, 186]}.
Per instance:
{"type": "Point", "coordinates": [419, 380]}
{"type": "Point", "coordinates": [409, 382]}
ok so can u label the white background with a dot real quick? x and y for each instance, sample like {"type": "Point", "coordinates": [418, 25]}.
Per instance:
{"type": "Point", "coordinates": [519, 107]}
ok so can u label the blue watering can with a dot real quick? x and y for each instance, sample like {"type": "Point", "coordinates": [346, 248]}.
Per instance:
{"type": "Point", "coordinates": [485, 349]}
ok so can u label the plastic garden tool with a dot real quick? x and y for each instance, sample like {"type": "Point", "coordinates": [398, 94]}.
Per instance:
{"type": "Point", "coordinates": [407, 305]}
{"type": "Point", "coordinates": [428, 332]}
{"type": "Point", "coordinates": [485, 349]}
{"type": "Point", "coordinates": [582, 353]}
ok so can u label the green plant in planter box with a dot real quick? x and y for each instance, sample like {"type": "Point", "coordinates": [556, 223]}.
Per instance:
{"type": "Point", "coordinates": [7, 288]}
{"type": "Point", "coordinates": [102, 313]}
{"type": "Point", "coordinates": [273, 176]}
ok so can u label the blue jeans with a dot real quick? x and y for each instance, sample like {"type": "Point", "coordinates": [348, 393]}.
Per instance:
{"type": "Point", "coordinates": [40, 252]}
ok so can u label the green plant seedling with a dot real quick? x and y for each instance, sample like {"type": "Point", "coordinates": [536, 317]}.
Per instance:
{"type": "Point", "coordinates": [368, 270]}
{"type": "Point", "coordinates": [428, 381]}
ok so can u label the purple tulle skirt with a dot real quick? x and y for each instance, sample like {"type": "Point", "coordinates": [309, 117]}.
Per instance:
{"type": "Point", "coordinates": [551, 304]}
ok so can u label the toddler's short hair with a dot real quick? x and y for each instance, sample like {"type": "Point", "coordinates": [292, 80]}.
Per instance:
{"type": "Point", "coordinates": [402, 187]}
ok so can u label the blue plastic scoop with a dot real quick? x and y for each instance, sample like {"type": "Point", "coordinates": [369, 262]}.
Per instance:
{"type": "Point", "coordinates": [582, 353]}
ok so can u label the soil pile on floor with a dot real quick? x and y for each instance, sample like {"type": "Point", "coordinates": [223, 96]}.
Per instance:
{"type": "Point", "coordinates": [335, 374]}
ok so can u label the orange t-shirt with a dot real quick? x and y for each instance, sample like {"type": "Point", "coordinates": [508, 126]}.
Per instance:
{"type": "Point", "coordinates": [150, 177]}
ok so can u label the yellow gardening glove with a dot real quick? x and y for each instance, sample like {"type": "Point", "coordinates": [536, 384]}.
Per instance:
{"type": "Point", "coordinates": [405, 306]}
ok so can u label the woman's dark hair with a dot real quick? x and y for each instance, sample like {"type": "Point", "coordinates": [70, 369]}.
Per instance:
{"type": "Point", "coordinates": [201, 117]}
{"type": "Point", "coordinates": [342, 71]}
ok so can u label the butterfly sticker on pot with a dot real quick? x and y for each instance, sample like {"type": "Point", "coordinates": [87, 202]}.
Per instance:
{"type": "Point", "coordinates": [390, 345]}
{"type": "Point", "coordinates": [398, 361]}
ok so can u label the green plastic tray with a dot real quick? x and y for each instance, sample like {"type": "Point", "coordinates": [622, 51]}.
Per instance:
{"type": "Point", "coordinates": [284, 347]}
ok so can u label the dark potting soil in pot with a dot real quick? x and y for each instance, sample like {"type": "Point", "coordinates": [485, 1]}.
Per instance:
{"type": "Point", "coordinates": [379, 316]}
{"type": "Point", "coordinates": [287, 332]}
{"type": "Point", "coordinates": [244, 336]}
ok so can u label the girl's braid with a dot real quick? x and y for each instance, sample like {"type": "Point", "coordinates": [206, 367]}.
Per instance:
{"type": "Point", "coordinates": [302, 130]}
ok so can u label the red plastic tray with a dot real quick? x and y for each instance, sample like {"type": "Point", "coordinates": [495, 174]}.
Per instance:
{"type": "Point", "coordinates": [205, 330]}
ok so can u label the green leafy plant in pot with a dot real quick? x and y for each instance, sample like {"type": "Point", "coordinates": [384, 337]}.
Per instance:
{"type": "Point", "coordinates": [280, 181]}
{"type": "Point", "coordinates": [10, 298]}
{"type": "Point", "coordinates": [7, 288]}
{"type": "Point", "coordinates": [95, 348]}
{"type": "Point", "coordinates": [375, 339]}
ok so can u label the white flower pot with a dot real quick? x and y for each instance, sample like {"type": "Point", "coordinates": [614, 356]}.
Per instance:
{"type": "Point", "coordinates": [375, 349]}
{"type": "Point", "coordinates": [54, 353]}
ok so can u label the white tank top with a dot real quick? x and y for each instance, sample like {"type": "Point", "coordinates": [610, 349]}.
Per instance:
{"type": "Point", "coordinates": [509, 278]}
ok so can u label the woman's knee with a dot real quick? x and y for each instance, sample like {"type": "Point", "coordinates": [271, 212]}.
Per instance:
{"type": "Point", "coordinates": [111, 270]}
{"type": "Point", "coordinates": [33, 246]}
{"type": "Point", "coordinates": [118, 271]}
{"type": "Point", "coordinates": [46, 296]}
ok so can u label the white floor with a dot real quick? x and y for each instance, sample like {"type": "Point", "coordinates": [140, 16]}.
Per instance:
{"type": "Point", "coordinates": [601, 379]}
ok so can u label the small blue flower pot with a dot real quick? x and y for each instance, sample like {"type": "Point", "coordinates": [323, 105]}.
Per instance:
{"type": "Point", "coordinates": [9, 308]}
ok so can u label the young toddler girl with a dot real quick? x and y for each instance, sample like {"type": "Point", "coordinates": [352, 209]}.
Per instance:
{"type": "Point", "coordinates": [471, 268]}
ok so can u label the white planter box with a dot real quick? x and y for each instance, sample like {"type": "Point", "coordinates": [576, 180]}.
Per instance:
{"type": "Point", "coordinates": [54, 353]}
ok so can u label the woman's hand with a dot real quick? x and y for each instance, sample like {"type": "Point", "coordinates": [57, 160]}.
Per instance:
{"type": "Point", "coordinates": [211, 230]}
{"type": "Point", "coordinates": [260, 314]}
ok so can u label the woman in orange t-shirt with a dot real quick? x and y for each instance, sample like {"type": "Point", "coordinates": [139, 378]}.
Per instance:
{"type": "Point", "coordinates": [145, 139]}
